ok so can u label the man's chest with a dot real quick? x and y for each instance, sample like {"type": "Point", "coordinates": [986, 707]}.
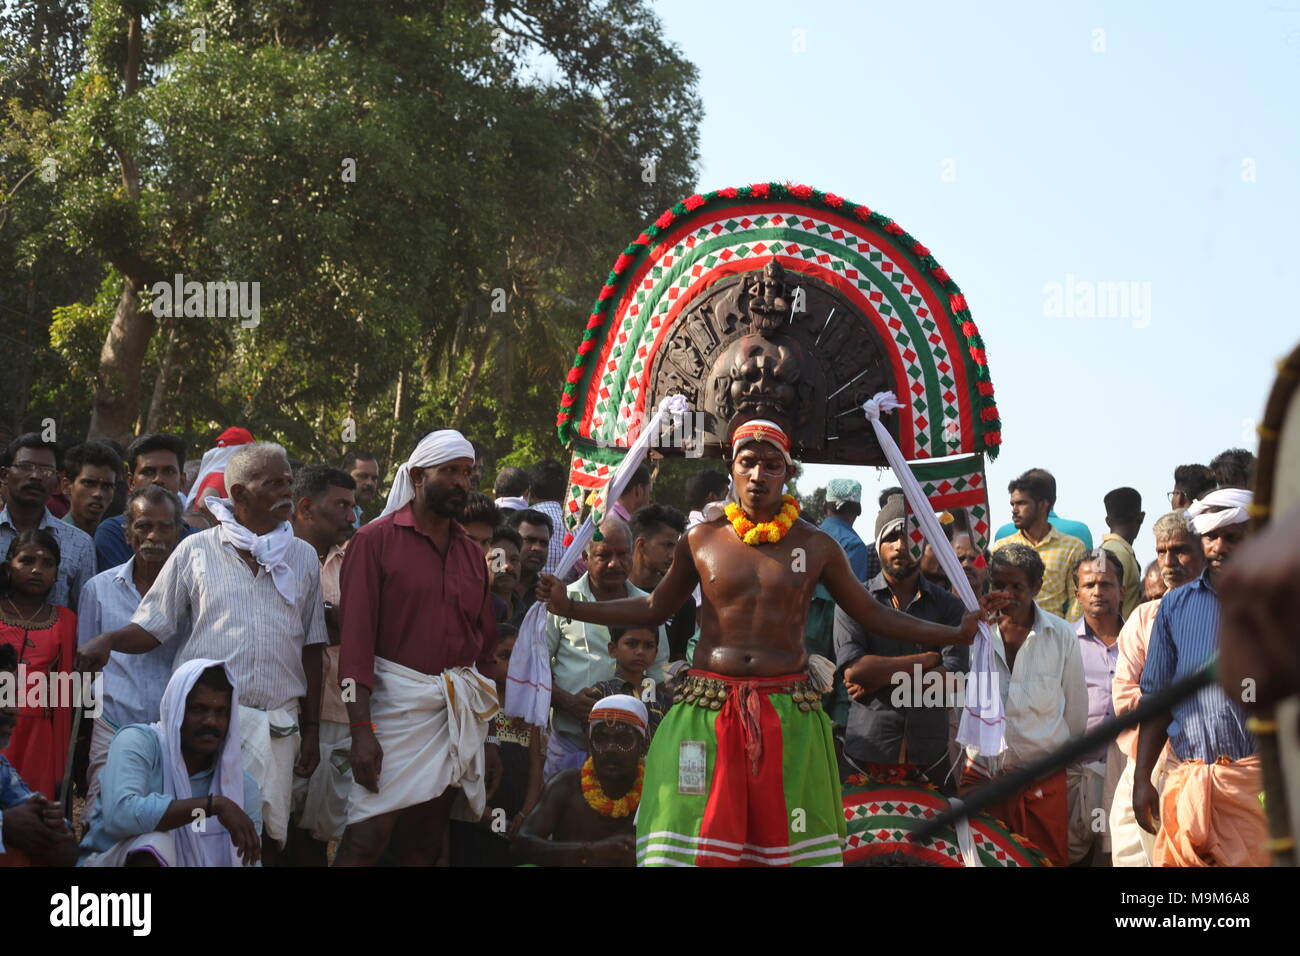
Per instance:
{"type": "Point", "coordinates": [731, 571]}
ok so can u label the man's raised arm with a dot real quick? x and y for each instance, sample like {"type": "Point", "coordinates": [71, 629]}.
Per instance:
{"type": "Point", "coordinates": [653, 609]}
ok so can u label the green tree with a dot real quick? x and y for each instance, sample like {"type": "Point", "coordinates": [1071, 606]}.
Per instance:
{"type": "Point", "coordinates": [427, 196]}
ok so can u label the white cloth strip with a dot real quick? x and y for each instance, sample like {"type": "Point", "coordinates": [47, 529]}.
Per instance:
{"type": "Point", "coordinates": [528, 687]}
{"type": "Point", "coordinates": [983, 722]}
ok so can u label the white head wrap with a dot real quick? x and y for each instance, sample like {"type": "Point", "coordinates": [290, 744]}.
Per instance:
{"type": "Point", "coordinates": [434, 449]}
{"type": "Point", "coordinates": [1218, 508]}
{"type": "Point", "coordinates": [623, 708]}
{"type": "Point", "coordinates": [210, 845]}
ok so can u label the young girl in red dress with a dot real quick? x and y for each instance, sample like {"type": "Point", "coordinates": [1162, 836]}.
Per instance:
{"type": "Point", "coordinates": [45, 639]}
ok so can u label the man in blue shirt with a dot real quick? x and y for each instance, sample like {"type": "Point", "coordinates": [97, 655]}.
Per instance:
{"type": "Point", "coordinates": [152, 460]}
{"type": "Point", "coordinates": [842, 508]}
{"type": "Point", "coordinates": [133, 683]}
{"type": "Point", "coordinates": [1064, 525]}
{"type": "Point", "coordinates": [175, 793]}
{"type": "Point", "coordinates": [1208, 811]}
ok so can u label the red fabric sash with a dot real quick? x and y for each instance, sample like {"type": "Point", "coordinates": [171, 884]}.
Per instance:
{"type": "Point", "coordinates": [746, 803]}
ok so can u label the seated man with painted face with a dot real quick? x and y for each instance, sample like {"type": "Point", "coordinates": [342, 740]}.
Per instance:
{"type": "Point", "coordinates": [175, 793]}
{"type": "Point", "coordinates": [585, 817]}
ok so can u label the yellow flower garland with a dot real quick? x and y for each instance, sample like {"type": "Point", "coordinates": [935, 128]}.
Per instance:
{"type": "Point", "coordinates": [596, 799]}
{"type": "Point", "coordinates": [766, 531]}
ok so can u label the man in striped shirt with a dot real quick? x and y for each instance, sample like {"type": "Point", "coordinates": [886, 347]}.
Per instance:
{"type": "Point", "coordinates": [248, 593]}
{"type": "Point", "coordinates": [1209, 812]}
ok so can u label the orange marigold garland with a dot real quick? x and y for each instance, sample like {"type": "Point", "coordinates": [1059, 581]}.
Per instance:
{"type": "Point", "coordinates": [766, 532]}
{"type": "Point", "coordinates": [596, 799]}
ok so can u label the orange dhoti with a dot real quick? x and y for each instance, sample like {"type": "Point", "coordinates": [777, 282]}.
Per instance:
{"type": "Point", "coordinates": [1210, 815]}
{"type": "Point", "coordinates": [1040, 812]}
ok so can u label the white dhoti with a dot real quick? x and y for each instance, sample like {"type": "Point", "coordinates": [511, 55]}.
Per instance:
{"type": "Point", "coordinates": [320, 802]}
{"type": "Point", "coordinates": [1130, 845]}
{"type": "Point", "coordinates": [1091, 793]}
{"type": "Point", "coordinates": [431, 728]}
{"type": "Point", "coordinates": [270, 741]}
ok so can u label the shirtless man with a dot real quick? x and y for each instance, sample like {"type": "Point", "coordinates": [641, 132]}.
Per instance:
{"type": "Point", "coordinates": [588, 822]}
{"type": "Point", "coordinates": [743, 770]}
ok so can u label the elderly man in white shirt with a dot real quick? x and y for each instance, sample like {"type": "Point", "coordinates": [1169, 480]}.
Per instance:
{"type": "Point", "coordinates": [1040, 678]}
{"type": "Point", "coordinates": [246, 592]}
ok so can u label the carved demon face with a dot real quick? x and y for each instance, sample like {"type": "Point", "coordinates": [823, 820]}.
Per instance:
{"type": "Point", "coordinates": [763, 376]}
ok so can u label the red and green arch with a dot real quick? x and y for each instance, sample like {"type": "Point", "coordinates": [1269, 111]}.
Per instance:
{"type": "Point", "coordinates": [936, 353]}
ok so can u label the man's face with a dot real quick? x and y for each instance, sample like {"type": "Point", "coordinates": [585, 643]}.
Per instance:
{"type": "Point", "coordinates": [635, 651]}
{"type": "Point", "coordinates": [636, 498]}
{"type": "Point", "coordinates": [365, 472]}
{"type": "Point", "coordinates": [268, 495]}
{"type": "Point", "coordinates": [90, 492]}
{"type": "Point", "coordinates": [609, 560]}
{"type": "Point", "coordinates": [152, 531]}
{"type": "Point", "coordinates": [1020, 591]}
{"type": "Point", "coordinates": [1153, 585]}
{"type": "Point", "coordinates": [895, 557]}
{"type": "Point", "coordinates": [503, 562]}
{"type": "Point", "coordinates": [27, 479]}
{"type": "Point", "coordinates": [32, 571]}
{"type": "Point", "coordinates": [537, 543]}
{"type": "Point", "coordinates": [481, 534]}
{"type": "Point", "coordinates": [1098, 589]}
{"type": "Point", "coordinates": [654, 553]}
{"type": "Point", "coordinates": [207, 717]}
{"type": "Point", "coordinates": [760, 473]}
{"type": "Point", "coordinates": [330, 515]}
{"type": "Point", "coordinates": [1179, 558]}
{"type": "Point", "coordinates": [157, 468]}
{"type": "Point", "coordinates": [1025, 511]}
{"type": "Point", "coordinates": [1178, 500]}
{"type": "Point", "coordinates": [616, 748]}
{"type": "Point", "coordinates": [445, 487]}
{"type": "Point", "coordinates": [1219, 544]}
{"type": "Point", "coordinates": [967, 554]}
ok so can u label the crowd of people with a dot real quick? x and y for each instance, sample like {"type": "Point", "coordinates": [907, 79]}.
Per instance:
{"type": "Point", "coordinates": [298, 670]}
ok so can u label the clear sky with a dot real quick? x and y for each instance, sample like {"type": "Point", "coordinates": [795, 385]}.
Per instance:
{"type": "Point", "coordinates": [1028, 144]}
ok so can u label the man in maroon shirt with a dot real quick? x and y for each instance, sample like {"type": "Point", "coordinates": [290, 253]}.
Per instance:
{"type": "Point", "coordinates": [415, 663]}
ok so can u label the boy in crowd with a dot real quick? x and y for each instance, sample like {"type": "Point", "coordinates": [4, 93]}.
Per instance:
{"type": "Point", "coordinates": [634, 650]}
